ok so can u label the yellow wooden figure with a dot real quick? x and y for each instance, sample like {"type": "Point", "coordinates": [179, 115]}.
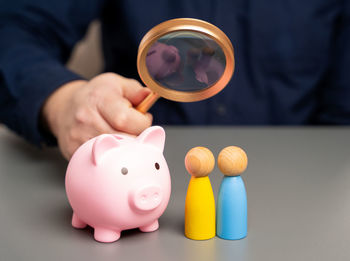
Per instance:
{"type": "Point", "coordinates": [200, 202]}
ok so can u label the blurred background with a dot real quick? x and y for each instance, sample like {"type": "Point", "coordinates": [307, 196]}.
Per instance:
{"type": "Point", "coordinates": [87, 58]}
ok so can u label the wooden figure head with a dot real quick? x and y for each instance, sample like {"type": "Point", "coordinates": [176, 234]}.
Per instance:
{"type": "Point", "coordinates": [232, 161]}
{"type": "Point", "coordinates": [199, 162]}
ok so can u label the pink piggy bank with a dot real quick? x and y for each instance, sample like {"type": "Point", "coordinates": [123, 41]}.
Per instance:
{"type": "Point", "coordinates": [162, 60]}
{"type": "Point", "coordinates": [115, 182]}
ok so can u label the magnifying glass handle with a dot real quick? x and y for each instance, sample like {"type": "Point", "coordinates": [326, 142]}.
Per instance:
{"type": "Point", "coordinates": [147, 103]}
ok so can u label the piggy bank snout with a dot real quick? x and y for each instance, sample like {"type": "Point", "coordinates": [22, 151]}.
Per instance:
{"type": "Point", "coordinates": [147, 198]}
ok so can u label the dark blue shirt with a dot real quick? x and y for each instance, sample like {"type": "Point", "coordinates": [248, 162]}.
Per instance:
{"type": "Point", "coordinates": [292, 57]}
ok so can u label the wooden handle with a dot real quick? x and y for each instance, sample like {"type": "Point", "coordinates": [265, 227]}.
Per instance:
{"type": "Point", "coordinates": [147, 103]}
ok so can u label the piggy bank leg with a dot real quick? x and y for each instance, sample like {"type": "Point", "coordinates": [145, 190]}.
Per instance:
{"type": "Point", "coordinates": [77, 222]}
{"type": "Point", "coordinates": [106, 235]}
{"type": "Point", "coordinates": [150, 227]}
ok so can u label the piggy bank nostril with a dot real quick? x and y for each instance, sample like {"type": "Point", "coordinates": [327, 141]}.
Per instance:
{"type": "Point", "coordinates": [156, 196]}
{"type": "Point", "coordinates": [169, 56]}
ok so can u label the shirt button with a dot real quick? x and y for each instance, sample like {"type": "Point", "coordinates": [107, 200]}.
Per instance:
{"type": "Point", "coordinates": [221, 110]}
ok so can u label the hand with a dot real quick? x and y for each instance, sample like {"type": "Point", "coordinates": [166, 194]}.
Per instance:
{"type": "Point", "coordinates": [81, 110]}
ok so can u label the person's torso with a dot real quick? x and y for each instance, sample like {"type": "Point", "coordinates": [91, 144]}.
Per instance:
{"type": "Point", "coordinates": [282, 51]}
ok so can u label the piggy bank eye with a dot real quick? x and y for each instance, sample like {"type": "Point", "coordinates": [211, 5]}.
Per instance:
{"type": "Point", "coordinates": [157, 166]}
{"type": "Point", "coordinates": [124, 171]}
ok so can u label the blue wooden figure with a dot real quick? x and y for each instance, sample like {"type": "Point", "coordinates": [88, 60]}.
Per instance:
{"type": "Point", "coordinates": [232, 199]}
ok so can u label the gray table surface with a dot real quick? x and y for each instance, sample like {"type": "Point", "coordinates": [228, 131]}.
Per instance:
{"type": "Point", "coordinates": [298, 188]}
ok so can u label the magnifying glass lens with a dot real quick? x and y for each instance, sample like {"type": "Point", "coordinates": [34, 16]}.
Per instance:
{"type": "Point", "coordinates": [185, 61]}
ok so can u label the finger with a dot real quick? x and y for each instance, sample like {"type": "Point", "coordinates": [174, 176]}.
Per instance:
{"type": "Point", "coordinates": [121, 117]}
{"type": "Point", "coordinates": [131, 89]}
{"type": "Point", "coordinates": [134, 91]}
{"type": "Point", "coordinates": [140, 121]}
{"type": "Point", "coordinates": [100, 126]}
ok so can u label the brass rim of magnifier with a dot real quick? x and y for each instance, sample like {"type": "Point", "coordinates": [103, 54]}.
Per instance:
{"type": "Point", "coordinates": [193, 25]}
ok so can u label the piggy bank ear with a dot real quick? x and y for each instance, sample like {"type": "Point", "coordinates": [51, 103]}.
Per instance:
{"type": "Point", "coordinates": [154, 136]}
{"type": "Point", "coordinates": [102, 144]}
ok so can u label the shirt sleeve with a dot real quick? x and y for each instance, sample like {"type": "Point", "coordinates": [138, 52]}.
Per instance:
{"type": "Point", "coordinates": [36, 39]}
{"type": "Point", "coordinates": [335, 96]}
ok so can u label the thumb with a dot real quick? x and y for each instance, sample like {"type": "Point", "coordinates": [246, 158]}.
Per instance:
{"type": "Point", "coordinates": [134, 91]}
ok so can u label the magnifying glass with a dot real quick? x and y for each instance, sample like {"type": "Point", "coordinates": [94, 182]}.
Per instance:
{"type": "Point", "coordinates": [184, 60]}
